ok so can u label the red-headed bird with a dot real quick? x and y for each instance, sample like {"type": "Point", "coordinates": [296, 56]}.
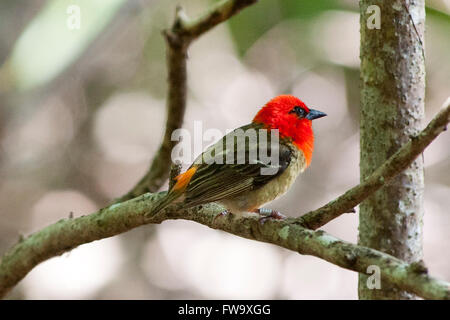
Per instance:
{"type": "Point", "coordinates": [242, 186]}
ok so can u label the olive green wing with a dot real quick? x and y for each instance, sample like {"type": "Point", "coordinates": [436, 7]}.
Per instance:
{"type": "Point", "coordinates": [217, 177]}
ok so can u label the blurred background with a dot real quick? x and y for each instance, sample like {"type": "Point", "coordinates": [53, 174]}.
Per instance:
{"type": "Point", "coordinates": [82, 113]}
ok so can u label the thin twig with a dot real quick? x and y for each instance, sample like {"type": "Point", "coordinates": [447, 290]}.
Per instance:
{"type": "Point", "coordinates": [178, 38]}
{"type": "Point", "coordinates": [175, 170]}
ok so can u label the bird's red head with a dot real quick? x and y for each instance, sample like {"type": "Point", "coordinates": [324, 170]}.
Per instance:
{"type": "Point", "coordinates": [293, 119]}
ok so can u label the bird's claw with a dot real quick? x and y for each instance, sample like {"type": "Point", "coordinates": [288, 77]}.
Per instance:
{"type": "Point", "coordinates": [222, 214]}
{"type": "Point", "coordinates": [269, 213]}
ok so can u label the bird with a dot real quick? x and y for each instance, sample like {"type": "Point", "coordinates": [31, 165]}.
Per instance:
{"type": "Point", "coordinates": [243, 186]}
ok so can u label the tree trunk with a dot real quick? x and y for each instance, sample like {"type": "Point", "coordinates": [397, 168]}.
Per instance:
{"type": "Point", "coordinates": [392, 110]}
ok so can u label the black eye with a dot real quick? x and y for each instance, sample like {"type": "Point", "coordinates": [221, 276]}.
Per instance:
{"type": "Point", "coordinates": [299, 111]}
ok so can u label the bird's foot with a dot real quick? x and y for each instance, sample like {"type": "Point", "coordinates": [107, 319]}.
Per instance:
{"type": "Point", "coordinates": [269, 213]}
{"type": "Point", "coordinates": [222, 214]}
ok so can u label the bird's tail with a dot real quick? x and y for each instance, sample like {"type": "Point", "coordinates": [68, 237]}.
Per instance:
{"type": "Point", "coordinates": [169, 198]}
{"type": "Point", "coordinates": [176, 191]}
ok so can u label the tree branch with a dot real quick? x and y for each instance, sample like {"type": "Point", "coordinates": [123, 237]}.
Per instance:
{"type": "Point", "coordinates": [121, 217]}
{"type": "Point", "coordinates": [178, 39]}
{"type": "Point", "coordinates": [118, 218]}
{"type": "Point", "coordinates": [395, 164]}
{"type": "Point", "coordinates": [175, 170]}
{"type": "Point", "coordinates": [290, 233]}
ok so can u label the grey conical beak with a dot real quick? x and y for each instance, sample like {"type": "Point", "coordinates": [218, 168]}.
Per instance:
{"type": "Point", "coordinates": [315, 114]}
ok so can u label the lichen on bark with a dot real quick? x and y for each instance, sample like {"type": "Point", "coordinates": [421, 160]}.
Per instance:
{"type": "Point", "coordinates": [392, 110]}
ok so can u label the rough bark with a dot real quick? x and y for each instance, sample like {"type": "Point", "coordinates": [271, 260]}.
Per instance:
{"type": "Point", "coordinates": [118, 218]}
{"type": "Point", "coordinates": [392, 110]}
{"type": "Point", "coordinates": [388, 68]}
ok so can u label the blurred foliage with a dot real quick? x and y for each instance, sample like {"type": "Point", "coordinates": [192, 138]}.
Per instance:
{"type": "Point", "coordinates": [91, 132]}
{"type": "Point", "coordinates": [438, 14]}
{"type": "Point", "coordinates": [307, 9]}
{"type": "Point", "coordinates": [53, 43]}
{"type": "Point", "coordinates": [249, 25]}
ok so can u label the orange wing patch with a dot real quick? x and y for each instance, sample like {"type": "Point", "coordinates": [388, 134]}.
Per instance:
{"type": "Point", "coordinates": [184, 179]}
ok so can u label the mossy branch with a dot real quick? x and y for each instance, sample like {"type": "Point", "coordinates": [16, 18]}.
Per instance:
{"type": "Point", "coordinates": [291, 233]}
{"type": "Point", "coordinates": [121, 217]}
{"type": "Point", "coordinates": [118, 218]}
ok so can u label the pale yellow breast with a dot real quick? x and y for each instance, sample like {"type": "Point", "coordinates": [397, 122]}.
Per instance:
{"type": "Point", "coordinates": [272, 190]}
